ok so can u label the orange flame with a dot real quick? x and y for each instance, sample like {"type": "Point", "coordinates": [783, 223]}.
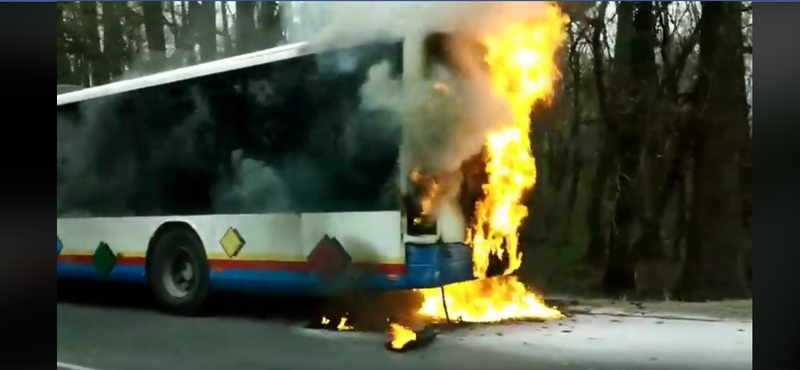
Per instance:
{"type": "Point", "coordinates": [522, 67]}
{"type": "Point", "coordinates": [400, 335]}
{"type": "Point", "coordinates": [431, 188]}
{"type": "Point", "coordinates": [342, 326]}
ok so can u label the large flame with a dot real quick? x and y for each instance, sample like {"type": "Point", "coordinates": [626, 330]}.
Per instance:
{"type": "Point", "coordinates": [522, 67]}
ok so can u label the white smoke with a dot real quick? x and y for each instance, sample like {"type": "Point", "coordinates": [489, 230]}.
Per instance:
{"type": "Point", "coordinates": [446, 118]}
{"type": "Point", "coordinates": [355, 21]}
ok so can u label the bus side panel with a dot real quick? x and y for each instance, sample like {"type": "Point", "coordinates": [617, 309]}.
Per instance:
{"type": "Point", "coordinates": [268, 253]}
{"type": "Point", "coordinates": [369, 237]}
{"type": "Point", "coordinates": [126, 237]}
{"type": "Point", "coordinates": [267, 257]}
{"type": "Point", "coordinates": [265, 253]}
{"type": "Point", "coordinates": [276, 247]}
{"type": "Point", "coordinates": [373, 240]}
{"type": "Point", "coordinates": [438, 264]}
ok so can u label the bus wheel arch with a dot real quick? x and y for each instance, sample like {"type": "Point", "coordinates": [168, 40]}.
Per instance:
{"type": "Point", "coordinates": [177, 268]}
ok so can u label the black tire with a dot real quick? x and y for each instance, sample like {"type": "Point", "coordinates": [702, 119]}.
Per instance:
{"type": "Point", "coordinates": [179, 249]}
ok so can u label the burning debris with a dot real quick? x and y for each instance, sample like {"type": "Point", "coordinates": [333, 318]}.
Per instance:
{"type": "Point", "coordinates": [341, 326]}
{"type": "Point", "coordinates": [402, 339]}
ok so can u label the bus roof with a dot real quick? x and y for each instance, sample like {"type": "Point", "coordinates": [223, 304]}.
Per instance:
{"type": "Point", "coordinates": [186, 73]}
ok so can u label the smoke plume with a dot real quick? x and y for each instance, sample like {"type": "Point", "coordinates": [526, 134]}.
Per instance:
{"type": "Point", "coordinates": [447, 113]}
{"type": "Point", "coordinates": [345, 163]}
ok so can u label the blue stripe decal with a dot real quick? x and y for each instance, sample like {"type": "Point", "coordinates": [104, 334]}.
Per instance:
{"type": "Point", "coordinates": [429, 266]}
{"type": "Point", "coordinates": [87, 271]}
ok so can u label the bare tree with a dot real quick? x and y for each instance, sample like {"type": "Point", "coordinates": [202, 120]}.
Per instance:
{"type": "Point", "coordinates": [712, 269]}
{"type": "Point", "coordinates": [153, 12]}
{"type": "Point", "coordinates": [205, 25]}
{"type": "Point", "coordinates": [92, 52]}
{"type": "Point", "coordinates": [113, 41]}
{"type": "Point", "coordinates": [271, 29]}
{"type": "Point", "coordinates": [63, 63]}
{"type": "Point", "coordinates": [245, 27]}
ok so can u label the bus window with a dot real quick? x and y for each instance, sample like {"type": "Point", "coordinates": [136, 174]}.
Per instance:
{"type": "Point", "coordinates": [169, 149]}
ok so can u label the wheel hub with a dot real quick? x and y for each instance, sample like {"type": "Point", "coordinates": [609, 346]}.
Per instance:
{"type": "Point", "coordinates": [178, 275]}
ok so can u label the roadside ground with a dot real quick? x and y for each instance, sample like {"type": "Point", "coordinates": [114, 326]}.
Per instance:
{"type": "Point", "coordinates": [738, 310]}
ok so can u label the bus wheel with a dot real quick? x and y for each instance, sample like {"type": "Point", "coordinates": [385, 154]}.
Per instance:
{"type": "Point", "coordinates": [178, 271]}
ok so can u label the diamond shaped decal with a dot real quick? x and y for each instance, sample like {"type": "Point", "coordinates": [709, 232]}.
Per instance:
{"type": "Point", "coordinates": [329, 259]}
{"type": "Point", "coordinates": [104, 259]}
{"type": "Point", "coordinates": [232, 242]}
{"type": "Point", "coordinates": [59, 246]}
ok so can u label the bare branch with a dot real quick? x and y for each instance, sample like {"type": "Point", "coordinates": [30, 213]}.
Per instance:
{"type": "Point", "coordinates": [581, 36]}
{"type": "Point", "coordinates": [598, 56]}
{"type": "Point", "coordinates": [686, 49]}
{"type": "Point", "coordinates": [665, 34]}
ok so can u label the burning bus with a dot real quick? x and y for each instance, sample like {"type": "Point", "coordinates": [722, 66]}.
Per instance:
{"type": "Point", "coordinates": [394, 165]}
{"type": "Point", "coordinates": [270, 171]}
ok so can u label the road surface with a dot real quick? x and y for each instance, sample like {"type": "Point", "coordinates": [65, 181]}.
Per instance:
{"type": "Point", "coordinates": [92, 337]}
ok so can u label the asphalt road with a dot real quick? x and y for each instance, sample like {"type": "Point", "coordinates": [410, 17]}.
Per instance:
{"type": "Point", "coordinates": [97, 335]}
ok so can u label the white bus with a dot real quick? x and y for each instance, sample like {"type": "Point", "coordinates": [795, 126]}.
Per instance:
{"type": "Point", "coordinates": [260, 172]}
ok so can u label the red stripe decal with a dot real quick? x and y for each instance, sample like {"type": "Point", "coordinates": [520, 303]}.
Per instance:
{"type": "Point", "coordinates": [221, 265]}
{"type": "Point", "coordinates": [86, 259]}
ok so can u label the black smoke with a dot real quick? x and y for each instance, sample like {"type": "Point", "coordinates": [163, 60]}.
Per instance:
{"type": "Point", "coordinates": [290, 136]}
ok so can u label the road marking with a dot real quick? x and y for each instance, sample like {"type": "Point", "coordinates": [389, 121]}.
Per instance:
{"type": "Point", "coordinates": [64, 365]}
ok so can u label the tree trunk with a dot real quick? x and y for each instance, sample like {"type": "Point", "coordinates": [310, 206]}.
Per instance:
{"type": "Point", "coordinates": [83, 71]}
{"type": "Point", "coordinates": [287, 13]}
{"type": "Point", "coordinates": [576, 149]}
{"type": "Point", "coordinates": [270, 24]}
{"type": "Point", "coordinates": [190, 25]}
{"type": "Point", "coordinates": [575, 69]}
{"type": "Point", "coordinates": [92, 54]}
{"type": "Point", "coordinates": [179, 28]}
{"type": "Point", "coordinates": [712, 270]}
{"type": "Point", "coordinates": [133, 37]}
{"type": "Point", "coordinates": [747, 182]}
{"type": "Point", "coordinates": [206, 30]}
{"type": "Point", "coordinates": [648, 247]}
{"type": "Point", "coordinates": [154, 31]}
{"type": "Point", "coordinates": [113, 41]}
{"type": "Point", "coordinates": [665, 169]}
{"type": "Point", "coordinates": [619, 276]}
{"type": "Point", "coordinates": [245, 27]}
{"type": "Point", "coordinates": [227, 45]}
{"type": "Point", "coordinates": [596, 252]}
{"type": "Point", "coordinates": [747, 207]}
{"type": "Point", "coordinates": [63, 63]}
{"type": "Point", "coordinates": [679, 230]}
